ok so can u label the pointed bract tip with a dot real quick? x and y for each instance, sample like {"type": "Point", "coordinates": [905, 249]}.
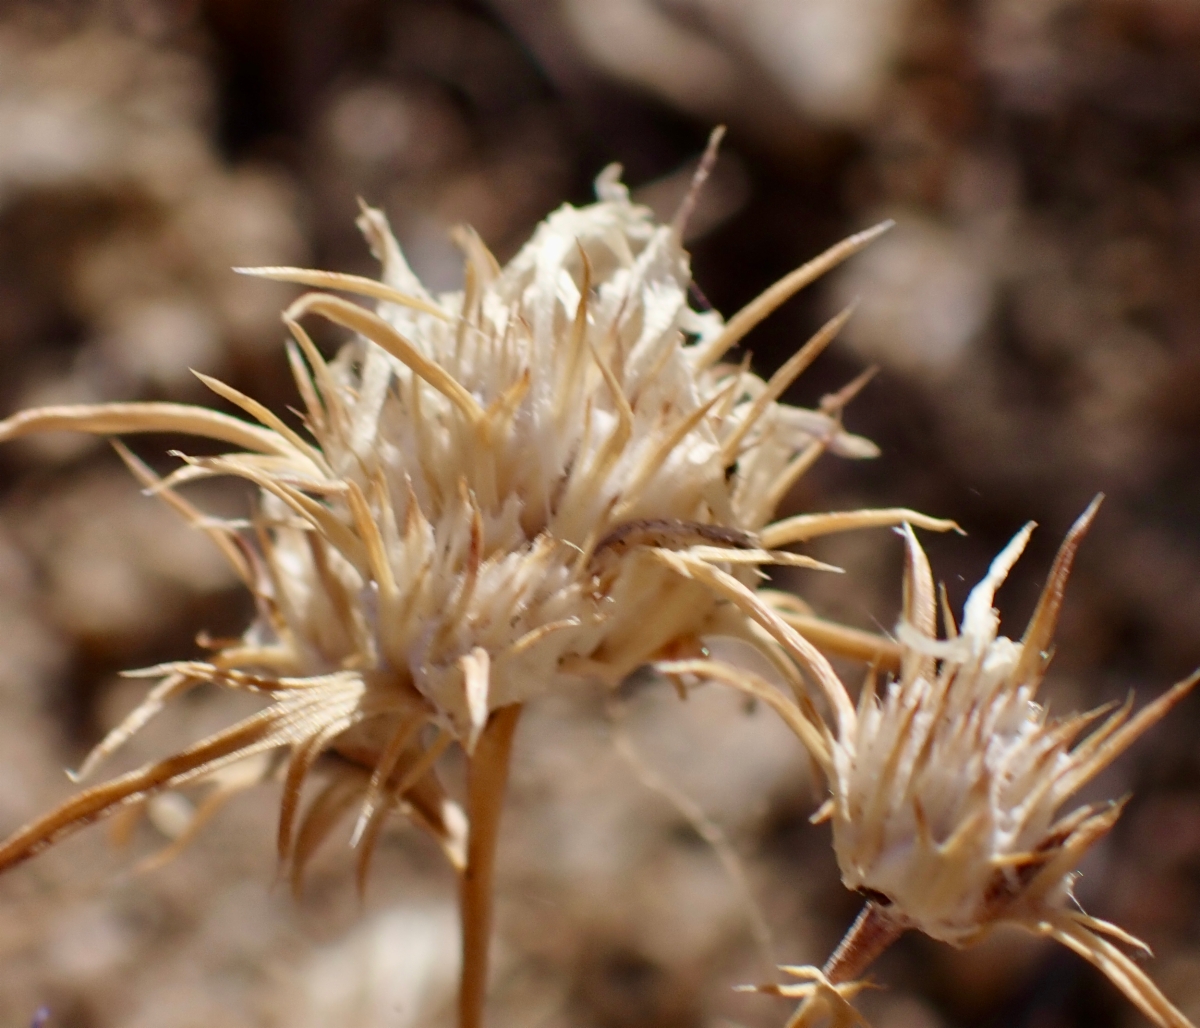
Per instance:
{"type": "Point", "coordinates": [708, 160]}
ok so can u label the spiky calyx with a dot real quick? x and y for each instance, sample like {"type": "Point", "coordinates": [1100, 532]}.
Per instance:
{"type": "Point", "coordinates": [948, 787]}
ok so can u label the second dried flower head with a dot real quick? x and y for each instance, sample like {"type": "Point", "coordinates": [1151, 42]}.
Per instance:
{"type": "Point", "coordinates": [948, 787]}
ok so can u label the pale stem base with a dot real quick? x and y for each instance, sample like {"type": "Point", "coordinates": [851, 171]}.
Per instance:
{"type": "Point", "coordinates": [872, 933]}
{"type": "Point", "coordinates": [487, 779]}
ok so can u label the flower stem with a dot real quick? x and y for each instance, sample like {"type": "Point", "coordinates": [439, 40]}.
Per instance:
{"type": "Point", "coordinates": [872, 933]}
{"type": "Point", "coordinates": [487, 778]}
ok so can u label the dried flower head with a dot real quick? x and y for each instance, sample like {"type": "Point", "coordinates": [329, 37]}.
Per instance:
{"type": "Point", "coordinates": [497, 492]}
{"type": "Point", "coordinates": [947, 789]}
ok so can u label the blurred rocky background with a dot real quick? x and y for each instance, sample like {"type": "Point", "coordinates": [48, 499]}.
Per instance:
{"type": "Point", "coordinates": [1035, 317]}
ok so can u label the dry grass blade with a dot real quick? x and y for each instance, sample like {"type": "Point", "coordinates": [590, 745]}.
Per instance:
{"type": "Point", "coordinates": [268, 419]}
{"type": "Point", "coordinates": [335, 799]}
{"type": "Point", "coordinates": [248, 737]}
{"type": "Point", "coordinates": [708, 160]}
{"type": "Point", "coordinates": [1037, 638]}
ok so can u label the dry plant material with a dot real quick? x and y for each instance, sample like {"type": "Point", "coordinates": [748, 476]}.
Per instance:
{"type": "Point", "coordinates": [948, 786]}
{"type": "Point", "coordinates": [492, 496]}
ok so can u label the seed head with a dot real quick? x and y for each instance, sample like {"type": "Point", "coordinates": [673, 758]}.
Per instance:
{"type": "Point", "coordinates": [498, 492]}
{"type": "Point", "coordinates": [948, 789]}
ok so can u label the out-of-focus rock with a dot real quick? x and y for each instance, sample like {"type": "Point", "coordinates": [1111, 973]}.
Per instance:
{"type": "Point", "coordinates": [924, 293]}
{"type": "Point", "coordinates": [110, 176]}
{"type": "Point", "coordinates": [116, 564]}
{"type": "Point", "coordinates": [398, 969]}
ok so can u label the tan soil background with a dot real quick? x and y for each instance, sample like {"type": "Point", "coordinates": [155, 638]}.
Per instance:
{"type": "Point", "coordinates": [1036, 318]}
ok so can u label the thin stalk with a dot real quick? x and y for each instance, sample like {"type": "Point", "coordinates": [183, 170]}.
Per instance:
{"type": "Point", "coordinates": [487, 779]}
{"type": "Point", "coordinates": [868, 937]}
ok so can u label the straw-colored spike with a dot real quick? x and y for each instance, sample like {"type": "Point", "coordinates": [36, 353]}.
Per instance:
{"type": "Point", "coordinates": [687, 206]}
{"type": "Point", "coordinates": [805, 527]}
{"type": "Point", "coordinates": [376, 550]}
{"type": "Point", "coordinates": [1127, 734]}
{"type": "Point", "coordinates": [779, 558]}
{"type": "Point", "coordinates": [792, 472]}
{"type": "Point", "coordinates": [355, 284]}
{"type": "Point", "coordinates": [784, 377]}
{"type": "Point", "coordinates": [1118, 967]}
{"type": "Point", "coordinates": [319, 516]}
{"type": "Point", "coordinates": [314, 417]}
{"type": "Point", "coordinates": [351, 316]}
{"type": "Point", "coordinates": [332, 803]}
{"type": "Point", "coordinates": [128, 418]}
{"type": "Point", "coordinates": [774, 296]}
{"type": "Point", "coordinates": [1040, 632]}
{"type": "Point", "coordinates": [919, 606]}
{"type": "Point", "coordinates": [574, 351]}
{"type": "Point", "coordinates": [1100, 927]}
{"type": "Point", "coordinates": [91, 805]}
{"type": "Point", "coordinates": [654, 461]}
{"type": "Point", "coordinates": [846, 641]}
{"type": "Point", "coordinates": [346, 614]}
{"type": "Point", "coordinates": [285, 619]}
{"type": "Point", "coordinates": [536, 635]}
{"type": "Point", "coordinates": [479, 257]}
{"type": "Point", "coordinates": [389, 758]}
{"type": "Point", "coordinates": [267, 418]}
{"type": "Point", "coordinates": [469, 576]}
{"type": "Point", "coordinates": [948, 623]}
{"type": "Point", "coordinates": [336, 417]}
{"type": "Point", "coordinates": [797, 647]}
{"type": "Point", "coordinates": [304, 755]}
{"type": "Point", "coordinates": [366, 838]}
{"type": "Point", "coordinates": [622, 431]}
